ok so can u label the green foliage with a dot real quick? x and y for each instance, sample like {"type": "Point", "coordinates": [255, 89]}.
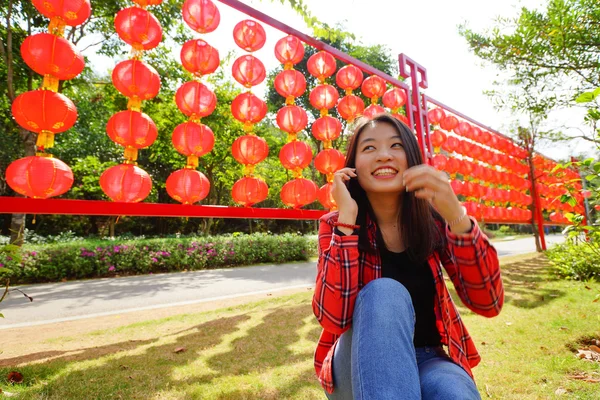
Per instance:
{"type": "Point", "coordinates": [575, 261]}
{"type": "Point", "coordinates": [92, 259]}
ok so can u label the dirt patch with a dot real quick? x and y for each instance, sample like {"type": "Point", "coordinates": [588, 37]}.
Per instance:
{"type": "Point", "coordinates": [43, 342]}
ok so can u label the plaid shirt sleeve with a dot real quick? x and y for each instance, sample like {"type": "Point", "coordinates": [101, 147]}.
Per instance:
{"type": "Point", "coordinates": [337, 278]}
{"type": "Point", "coordinates": [473, 266]}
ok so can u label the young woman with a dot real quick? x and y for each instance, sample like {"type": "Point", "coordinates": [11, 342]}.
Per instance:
{"type": "Point", "coordinates": [380, 294]}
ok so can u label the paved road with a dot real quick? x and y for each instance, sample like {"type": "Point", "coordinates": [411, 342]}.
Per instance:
{"type": "Point", "coordinates": [83, 299]}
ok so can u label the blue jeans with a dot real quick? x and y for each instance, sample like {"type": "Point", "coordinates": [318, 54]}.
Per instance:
{"type": "Point", "coordinates": [376, 358]}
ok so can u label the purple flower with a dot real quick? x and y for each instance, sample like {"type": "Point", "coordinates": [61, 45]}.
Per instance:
{"type": "Point", "coordinates": [116, 249]}
{"type": "Point", "coordinates": [111, 268]}
{"type": "Point", "coordinates": [1, 265]}
{"type": "Point", "coordinates": [9, 258]}
{"type": "Point", "coordinates": [33, 253]}
{"type": "Point", "coordinates": [154, 259]}
{"type": "Point", "coordinates": [98, 248]}
{"type": "Point", "coordinates": [232, 252]}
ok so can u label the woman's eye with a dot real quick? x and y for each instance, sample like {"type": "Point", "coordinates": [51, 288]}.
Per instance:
{"type": "Point", "coordinates": [397, 145]}
{"type": "Point", "coordinates": [368, 148]}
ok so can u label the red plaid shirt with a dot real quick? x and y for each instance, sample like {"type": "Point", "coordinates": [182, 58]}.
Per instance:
{"type": "Point", "coordinates": [469, 259]}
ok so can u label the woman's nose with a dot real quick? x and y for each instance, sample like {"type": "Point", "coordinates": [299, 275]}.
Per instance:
{"type": "Point", "coordinates": [383, 155]}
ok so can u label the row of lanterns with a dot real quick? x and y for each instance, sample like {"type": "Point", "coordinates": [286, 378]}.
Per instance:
{"type": "Point", "coordinates": [44, 111]}
{"type": "Point", "coordinates": [138, 81]}
{"type": "Point", "coordinates": [295, 155]}
{"type": "Point", "coordinates": [194, 99]}
{"type": "Point", "coordinates": [47, 113]}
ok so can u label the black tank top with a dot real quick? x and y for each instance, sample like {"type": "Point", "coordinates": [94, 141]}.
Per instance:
{"type": "Point", "coordinates": [418, 280]}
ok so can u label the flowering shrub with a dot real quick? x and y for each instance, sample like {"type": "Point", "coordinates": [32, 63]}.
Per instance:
{"type": "Point", "coordinates": [91, 259]}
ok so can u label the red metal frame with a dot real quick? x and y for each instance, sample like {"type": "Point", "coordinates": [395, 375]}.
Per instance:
{"type": "Point", "coordinates": [20, 205]}
{"type": "Point", "coordinates": [416, 107]}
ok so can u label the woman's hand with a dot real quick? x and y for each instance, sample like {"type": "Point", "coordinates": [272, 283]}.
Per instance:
{"type": "Point", "coordinates": [345, 203]}
{"type": "Point", "coordinates": [434, 186]}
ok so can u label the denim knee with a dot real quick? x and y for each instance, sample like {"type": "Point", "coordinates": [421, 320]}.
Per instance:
{"type": "Point", "coordinates": [385, 297]}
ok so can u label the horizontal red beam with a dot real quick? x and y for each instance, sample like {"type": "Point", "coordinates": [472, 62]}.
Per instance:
{"type": "Point", "coordinates": [19, 205]}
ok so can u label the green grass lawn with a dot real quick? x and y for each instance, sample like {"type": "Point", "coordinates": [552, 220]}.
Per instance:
{"type": "Point", "coordinates": [263, 350]}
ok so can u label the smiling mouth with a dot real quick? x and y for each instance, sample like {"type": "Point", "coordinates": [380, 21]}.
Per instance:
{"type": "Point", "coordinates": [387, 171]}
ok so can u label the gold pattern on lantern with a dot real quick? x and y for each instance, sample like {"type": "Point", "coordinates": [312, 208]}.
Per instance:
{"type": "Point", "coordinates": [45, 140]}
{"type": "Point", "coordinates": [288, 66]}
{"type": "Point", "coordinates": [374, 99]}
{"type": "Point", "coordinates": [248, 127]}
{"type": "Point", "coordinates": [192, 161]}
{"type": "Point", "coordinates": [290, 101]}
{"type": "Point", "coordinates": [324, 112]}
{"type": "Point", "coordinates": [297, 173]}
{"type": "Point", "coordinates": [131, 153]}
{"type": "Point", "coordinates": [134, 104]}
{"type": "Point", "coordinates": [248, 170]}
{"type": "Point", "coordinates": [56, 26]}
{"type": "Point", "coordinates": [327, 144]}
{"type": "Point", "coordinates": [50, 83]}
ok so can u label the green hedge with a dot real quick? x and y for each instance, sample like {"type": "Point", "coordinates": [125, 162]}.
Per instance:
{"type": "Point", "coordinates": [575, 261]}
{"type": "Point", "coordinates": [93, 259]}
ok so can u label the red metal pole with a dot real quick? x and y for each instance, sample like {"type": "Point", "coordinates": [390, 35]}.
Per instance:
{"type": "Point", "coordinates": [417, 110]}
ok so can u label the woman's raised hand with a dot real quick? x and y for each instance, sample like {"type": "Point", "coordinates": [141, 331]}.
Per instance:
{"type": "Point", "coordinates": [345, 203]}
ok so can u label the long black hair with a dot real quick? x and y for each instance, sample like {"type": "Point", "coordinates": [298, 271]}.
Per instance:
{"type": "Point", "coordinates": [417, 221]}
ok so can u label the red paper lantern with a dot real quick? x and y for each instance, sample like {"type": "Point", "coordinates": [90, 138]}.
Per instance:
{"type": "Point", "coordinates": [323, 97]}
{"type": "Point", "coordinates": [188, 186]}
{"type": "Point", "coordinates": [39, 177]}
{"type": "Point", "coordinates": [394, 98]}
{"type": "Point", "coordinates": [373, 110]}
{"type": "Point", "coordinates": [249, 191]}
{"type": "Point", "coordinates": [136, 79]}
{"type": "Point", "coordinates": [321, 65]}
{"type": "Point", "coordinates": [329, 161]}
{"type": "Point", "coordinates": [326, 128]}
{"type": "Point", "coordinates": [463, 129]}
{"type": "Point", "coordinates": [436, 115]}
{"type": "Point", "coordinates": [290, 83]}
{"type": "Point", "coordinates": [131, 129]}
{"type": "Point", "coordinates": [457, 186]}
{"type": "Point", "coordinates": [476, 133]}
{"type": "Point", "coordinates": [195, 99]}
{"type": "Point", "coordinates": [199, 57]}
{"type": "Point", "coordinates": [248, 71]}
{"type": "Point", "coordinates": [292, 119]}
{"type": "Point", "coordinates": [138, 28]}
{"type": "Point", "coordinates": [53, 55]}
{"type": "Point", "coordinates": [373, 87]}
{"type": "Point", "coordinates": [72, 13]}
{"type": "Point", "coordinates": [325, 197]}
{"type": "Point", "coordinates": [146, 3]}
{"type": "Point", "coordinates": [248, 108]}
{"type": "Point", "coordinates": [350, 107]}
{"type": "Point", "coordinates": [440, 161]}
{"type": "Point", "coordinates": [453, 165]}
{"type": "Point", "coordinates": [44, 111]}
{"type": "Point", "coordinates": [126, 183]}
{"type": "Point", "coordinates": [485, 137]}
{"type": "Point", "coordinates": [402, 118]}
{"type": "Point", "coordinates": [192, 139]}
{"type": "Point", "coordinates": [349, 77]}
{"type": "Point", "coordinates": [295, 155]}
{"type": "Point", "coordinates": [249, 149]}
{"type": "Point", "coordinates": [448, 123]}
{"type": "Point", "coordinates": [451, 144]}
{"type": "Point", "coordinates": [249, 35]}
{"type": "Point", "coordinates": [299, 192]}
{"type": "Point", "coordinates": [437, 138]}
{"type": "Point", "coordinates": [289, 50]}
{"type": "Point", "coordinates": [201, 15]}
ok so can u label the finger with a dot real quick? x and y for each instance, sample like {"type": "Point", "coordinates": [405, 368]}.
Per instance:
{"type": "Point", "coordinates": [425, 182]}
{"type": "Point", "coordinates": [417, 170]}
{"type": "Point", "coordinates": [426, 194]}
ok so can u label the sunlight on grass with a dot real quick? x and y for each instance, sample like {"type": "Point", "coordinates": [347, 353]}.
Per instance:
{"type": "Point", "coordinates": [263, 350]}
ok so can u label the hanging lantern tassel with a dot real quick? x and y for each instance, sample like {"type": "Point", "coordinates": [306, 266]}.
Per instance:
{"type": "Point", "coordinates": [45, 140]}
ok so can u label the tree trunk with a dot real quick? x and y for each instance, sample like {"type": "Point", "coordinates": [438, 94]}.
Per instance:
{"type": "Point", "coordinates": [111, 227]}
{"type": "Point", "coordinates": [17, 223]}
{"type": "Point", "coordinates": [534, 210]}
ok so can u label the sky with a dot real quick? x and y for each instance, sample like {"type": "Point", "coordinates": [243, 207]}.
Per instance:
{"type": "Point", "coordinates": [424, 30]}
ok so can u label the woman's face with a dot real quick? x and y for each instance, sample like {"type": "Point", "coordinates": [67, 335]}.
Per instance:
{"type": "Point", "coordinates": [380, 159]}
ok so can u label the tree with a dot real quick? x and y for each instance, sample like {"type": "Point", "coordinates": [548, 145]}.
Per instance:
{"type": "Point", "coordinates": [553, 51]}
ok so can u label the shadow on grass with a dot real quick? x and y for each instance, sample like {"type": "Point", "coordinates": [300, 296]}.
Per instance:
{"type": "Point", "coordinates": [523, 284]}
{"type": "Point", "coordinates": [157, 368]}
